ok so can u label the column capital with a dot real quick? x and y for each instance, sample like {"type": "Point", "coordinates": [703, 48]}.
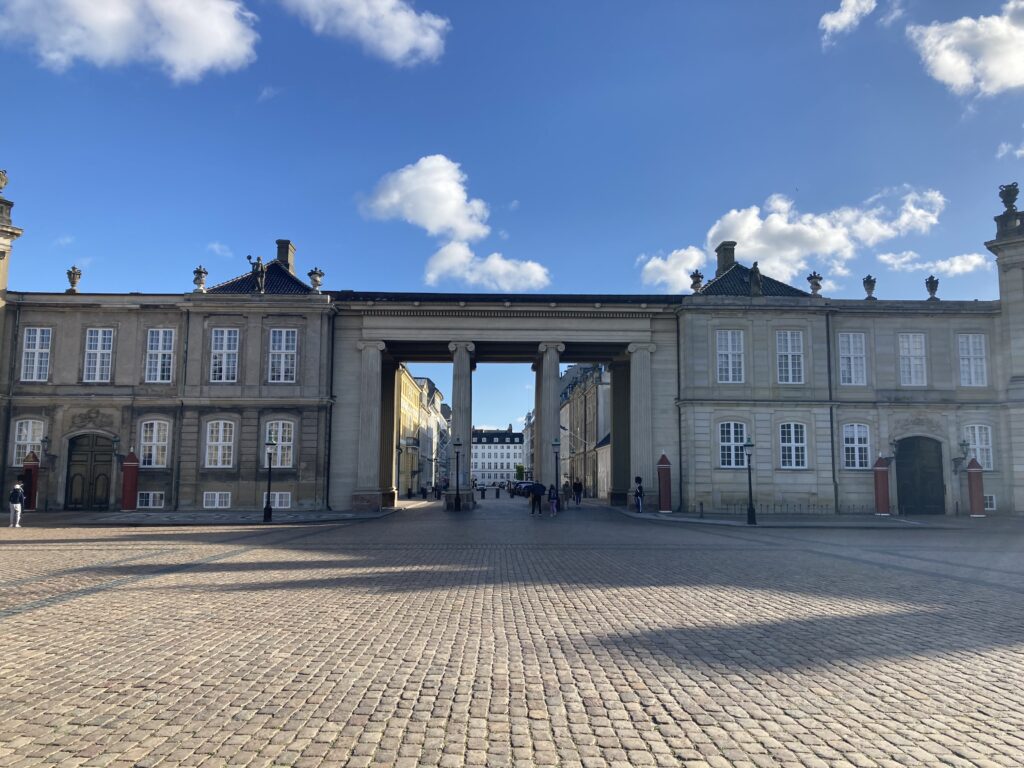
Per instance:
{"type": "Point", "coordinates": [544, 346]}
{"type": "Point", "coordinates": [380, 346]}
{"type": "Point", "coordinates": [641, 347]}
{"type": "Point", "coordinates": [469, 346]}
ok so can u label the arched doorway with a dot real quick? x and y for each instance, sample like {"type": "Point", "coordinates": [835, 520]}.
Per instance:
{"type": "Point", "coordinates": [920, 486]}
{"type": "Point", "coordinates": [90, 458]}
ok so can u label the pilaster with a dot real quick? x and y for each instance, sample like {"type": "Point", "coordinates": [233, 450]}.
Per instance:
{"type": "Point", "coordinates": [549, 415]}
{"type": "Point", "coordinates": [641, 425]}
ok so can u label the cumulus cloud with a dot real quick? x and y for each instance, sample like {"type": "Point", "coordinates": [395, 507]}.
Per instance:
{"type": "Point", "coordinates": [844, 19]}
{"type": "Point", "coordinates": [64, 241]}
{"type": "Point", "coordinates": [975, 55]}
{"type": "Point", "coordinates": [783, 240]}
{"type": "Point", "coordinates": [187, 38]}
{"type": "Point", "coordinates": [389, 29]}
{"type": "Point", "coordinates": [220, 249]}
{"type": "Point", "coordinates": [910, 261]}
{"type": "Point", "coordinates": [431, 194]}
{"type": "Point", "coordinates": [267, 92]}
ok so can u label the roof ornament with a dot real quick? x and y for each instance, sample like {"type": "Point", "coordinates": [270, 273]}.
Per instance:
{"type": "Point", "coordinates": [815, 281]}
{"type": "Point", "coordinates": [696, 278]}
{"type": "Point", "coordinates": [316, 278]}
{"type": "Point", "coordinates": [931, 284]}
{"type": "Point", "coordinates": [1007, 193]}
{"type": "Point", "coordinates": [756, 288]}
{"type": "Point", "coordinates": [74, 275]}
{"type": "Point", "coordinates": [259, 271]}
{"type": "Point", "coordinates": [199, 279]}
{"type": "Point", "coordinates": [869, 288]}
{"type": "Point", "coordinates": [3, 179]}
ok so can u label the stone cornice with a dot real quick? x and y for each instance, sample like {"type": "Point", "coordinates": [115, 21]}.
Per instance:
{"type": "Point", "coordinates": [502, 313]}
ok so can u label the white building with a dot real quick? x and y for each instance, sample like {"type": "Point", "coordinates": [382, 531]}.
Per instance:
{"type": "Point", "coordinates": [495, 455]}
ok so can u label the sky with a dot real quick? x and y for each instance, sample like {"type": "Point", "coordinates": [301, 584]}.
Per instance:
{"type": "Point", "coordinates": [456, 145]}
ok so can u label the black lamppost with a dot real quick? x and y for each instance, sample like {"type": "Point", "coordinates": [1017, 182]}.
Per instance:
{"type": "Point", "coordinates": [556, 444]}
{"type": "Point", "coordinates": [748, 451]}
{"type": "Point", "coordinates": [268, 511]}
{"type": "Point", "coordinates": [458, 489]}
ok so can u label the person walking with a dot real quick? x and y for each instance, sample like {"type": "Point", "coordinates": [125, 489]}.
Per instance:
{"type": "Point", "coordinates": [638, 494]}
{"type": "Point", "coordinates": [15, 500]}
{"type": "Point", "coordinates": [535, 492]}
{"type": "Point", "coordinates": [553, 499]}
{"type": "Point", "coordinates": [577, 491]}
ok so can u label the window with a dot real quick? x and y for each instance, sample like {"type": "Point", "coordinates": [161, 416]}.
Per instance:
{"type": "Point", "coordinates": [856, 449]}
{"type": "Point", "coordinates": [151, 500]}
{"type": "Point", "coordinates": [28, 436]}
{"type": "Point", "coordinates": [990, 502]}
{"type": "Point", "coordinates": [852, 360]}
{"type": "Point", "coordinates": [220, 443]}
{"type": "Point", "coordinates": [159, 355]}
{"type": "Point", "coordinates": [789, 352]}
{"type": "Point", "coordinates": [224, 354]}
{"type": "Point", "coordinates": [216, 499]}
{"type": "Point", "coordinates": [979, 437]}
{"type": "Point", "coordinates": [973, 371]}
{"type": "Point", "coordinates": [730, 357]}
{"type": "Point", "coordinates": [731, 437]}
{"type": "Point", "coordinates": [282, 433]}
{"type": "Point", "coordinates": [793, 444]}
{"type": "Point", "coordinates": [35, 354]}
{"type": "Point", "coordinates": [99, 349]}
{"type": "Point", "coordinates": [912, 360]}
{"type": "Point", "coordinates": [279, 499]}
{"type": "Point", "coordinates": [282, 354]}
{"type": "Point", "coordinates": [153, 440]}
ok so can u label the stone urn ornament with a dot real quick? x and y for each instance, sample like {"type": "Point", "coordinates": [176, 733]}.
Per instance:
{"type": "Point", "coordinates": [1007, 193]}
{"type": "Point", "coordinates": [869, 288]}
{"type": "Point", "coordinates": [696, 278]}
{"type": "Point", "coordinates": [74, 275]}
{"type": "Point", "coordinates": [3, 179]}
{"type": "Point", "coordinates": [316, 278]}
{"type": "Point", "coordinates": [199, 279]}
{"type": "Point", "coordinates": [931, 284]}
{"type": "Point", "coordinates": [814, 279]}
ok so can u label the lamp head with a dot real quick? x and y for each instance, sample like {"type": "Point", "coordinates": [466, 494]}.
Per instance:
{"type": "Point", "coordinates": [271, 443]}
{"type": "Point", "coordinates": [748, 448]}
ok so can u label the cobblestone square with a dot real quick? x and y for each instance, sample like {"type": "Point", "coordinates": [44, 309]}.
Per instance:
{"type": "Point", "coordinates": [490, 638]}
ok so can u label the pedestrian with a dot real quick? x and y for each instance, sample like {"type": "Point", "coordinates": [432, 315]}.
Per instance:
{"type": "Point", "coordinates": [553, 499]}
{"type": "Point", "coordinates": [577, 491]}
{"type": "Point", "coordinates": [638, 494]}
{"type": "Point", "coordinates": [16, 499]}
{"type": "Point", "coordinates": [535, 491]}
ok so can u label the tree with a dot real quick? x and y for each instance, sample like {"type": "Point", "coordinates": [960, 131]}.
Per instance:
{"type": "Point", "coordinates": [520, 472]}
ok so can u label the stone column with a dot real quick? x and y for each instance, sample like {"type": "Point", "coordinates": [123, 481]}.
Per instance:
{"type": "Point", "coordinates": [548, 414]}
{"type": "Point", "coordinates": [535, 436]}
{"type": "Point", "coordinates": [641, 421]}
{"type": "Point", "coordinates": [462, 406]}
{"type": "Point", "coordinates": [367, 493]}
{"type": "Point", "coordinates": [620, 480]}
{"type": "Point", "coordinates": [390, 415]}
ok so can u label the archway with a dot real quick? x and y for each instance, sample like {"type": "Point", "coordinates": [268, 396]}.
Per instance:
{"type": "Point", "coordinates": [90, 460]}
{"type": "Point", "coordinates": [920, 486]}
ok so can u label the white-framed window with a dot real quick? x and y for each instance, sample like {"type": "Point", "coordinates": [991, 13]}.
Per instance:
{"type": "Point", "coordinates": [279, 499]}
{"type": "Point", "coordinates": [913, 360]}
{"type": "Point", "coordinates": [159, 355]}
{"type": "Point", "coordinates": [99, 351]}
{"type": "Point", "coordinates": [282, 433]}
{"type": "Point", "coordinates": [283, 345]}
{"type": "Point", "coordinates": [224, 354]}
{"type": "Point", "coordinates": [856, 446]}
{"type": "Point", "coordinates": [793, 446]}
{"type": "Point", "coordinates": [789, 352]}
{"type": "Point", "coordinates": [35, 354]}
{"type": "Point", "coordinates": [28, 436]}
{"type": "Point", "coordinates": [853, 367]}
{"type": "Point", "coordinates": [973, 370]}
{"type": "Point", "coordinates": [731, 437]}
{"type": "Point", "coordinates": [151, 500]}
{"type": "Point", "coordinates": [220, 443]}
{"type": "Point", "coordinates": [154, 438]}
{"type": "Point", "coordinates": [979, 437]}
{"type": "Point", "coordinates": [989, 502]}
{"type": "Point", "coordinates": [730, 356]}
{"type": "Point", "coordinates": [216, 499]}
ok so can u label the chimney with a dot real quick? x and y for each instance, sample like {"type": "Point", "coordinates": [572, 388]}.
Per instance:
{"type": "Point", "coordinates": [726, 251]}
{"type": "Point", "coordinates": [286, 255]}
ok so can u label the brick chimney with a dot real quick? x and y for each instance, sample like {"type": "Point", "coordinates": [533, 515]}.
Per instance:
{"type": "Point", "coordinates": [286, 255]}
{"type": "Point", "coordinates": [726, 251]}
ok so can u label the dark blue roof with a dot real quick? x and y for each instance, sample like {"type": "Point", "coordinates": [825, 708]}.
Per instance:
{"type": "Point", "coordinates": [279, 281]}
{"type": "Point", "coordinates": [735, 281]}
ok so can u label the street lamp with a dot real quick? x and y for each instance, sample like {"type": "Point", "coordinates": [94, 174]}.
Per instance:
{"type": "Point", "coordinates": [748, 451]}
{"type": "Point", "coordinates": [556, 445]}
{"type": "Point", "coordinates": [268, 511]}
{"type": "Point", "coordinates": [458, 489]}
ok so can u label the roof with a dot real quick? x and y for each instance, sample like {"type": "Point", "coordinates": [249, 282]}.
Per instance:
{"type": "Point", "coordinates": [735, 281]}
{"type": "Point", "coordinates": [511, 298]}
{"type": "Point", "coordinates": [279, 281]}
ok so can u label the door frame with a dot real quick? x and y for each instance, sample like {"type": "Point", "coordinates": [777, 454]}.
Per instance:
{"type": "Point", "coordinates": [944, 460]}
{"type": "Point", "coordinates": [65, 457]}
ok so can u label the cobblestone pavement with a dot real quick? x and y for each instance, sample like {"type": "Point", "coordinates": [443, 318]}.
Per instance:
{"type": "Point", "coordinates": [492, 638]}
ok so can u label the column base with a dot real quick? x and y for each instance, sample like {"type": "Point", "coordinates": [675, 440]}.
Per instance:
{"type": "Point", "coordinates": [618, 498]}
{"type": "Point", "coordinates": [468, 502]}
{"type": "Point", "coordinates": [371, 501]}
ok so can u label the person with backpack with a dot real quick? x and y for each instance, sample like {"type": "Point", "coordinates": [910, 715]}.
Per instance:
{"type": "Point", "coordinates": [553, 499]}
{"type": "Point", "coordinates": [638, 494]}
{"type": "Point", "coordinates": [577, 491]}
{"type": "Point", "coordinates": [15, 501]}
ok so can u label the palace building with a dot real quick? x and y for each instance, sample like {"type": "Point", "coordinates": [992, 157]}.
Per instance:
{"type": "Point", "coordinates": [183, 400]}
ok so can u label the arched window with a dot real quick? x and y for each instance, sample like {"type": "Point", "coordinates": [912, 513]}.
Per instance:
{"type": "Point", "coordinates": [793, 446]}
{"type": "Point", "coordinates": [220, 444]}
{"type": "Point", "coordinates": [153, 440]}
{"type": "Point", "coordinates": [282, 433]}
{"type": "Point", "coordinates": [979, 436]}
{"type": "Point", "coordinates": [856, 447]}
{"type": "Point", "coordinates": [731, 437]}
{"type": "Point", "coordinates": [28, 436]}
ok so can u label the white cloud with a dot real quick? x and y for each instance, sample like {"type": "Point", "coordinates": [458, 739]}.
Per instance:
{"type": "Point", "coordinates": [457, 260]}
{"type": "Point", "coordinates": [389, 29]}
{"type": "Point", "coordinates": [783, 240]}
{"type": "Point", "coordinates": [844, 19]}
{"type": "Point", "coordinates": [220, 249]}
{"type": "Point", "coordinates": [980, 55]}
{"type": "Point", "coordinates": [187, 38]}
{"type": "Point", "coordinates": [1006, 148]}
{"type": "Point", "coordinates": [267, 92]}
{"type": "Point", "coordinates": [894, 13]}
{"type": "Point", "coordinates": [431, 193]}
{"type": "Point", "coordinates": [64, 241]}
{"type": "Point", "coordinates": [910, 261]}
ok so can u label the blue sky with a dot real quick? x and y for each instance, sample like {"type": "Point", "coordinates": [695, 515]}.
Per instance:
{"type": "Point", "coordinates": [454, 145]}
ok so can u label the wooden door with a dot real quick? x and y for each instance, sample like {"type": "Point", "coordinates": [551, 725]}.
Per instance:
{"type": "Point", "coordinates": [919, 482]}
{"type": "Point", "coordinates": [90, 459]}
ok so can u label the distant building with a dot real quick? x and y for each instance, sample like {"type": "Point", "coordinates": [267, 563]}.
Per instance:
{"type": "Point", "coordinates": [495, 455]}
